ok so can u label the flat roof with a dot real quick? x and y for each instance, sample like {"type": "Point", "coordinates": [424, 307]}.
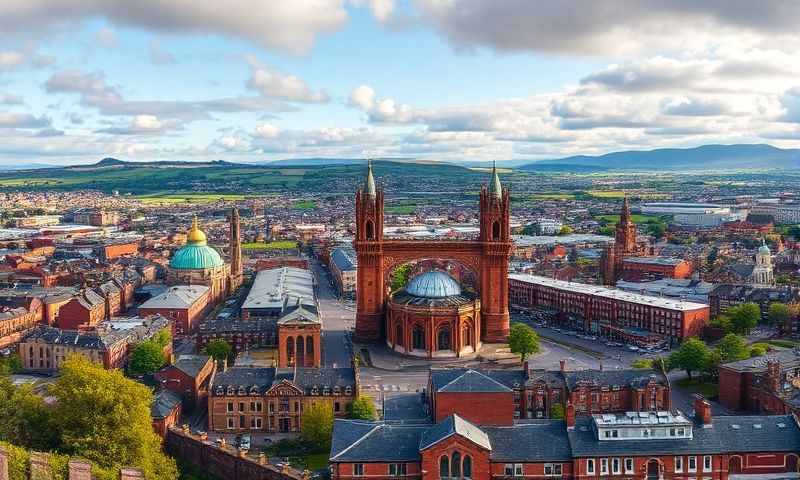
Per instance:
{"type": "Point", "coordinates": [272, 287]}
{"type": "Point", "coordinates": [611, 293]}
{"type": "Point", "coordinates": [654, 260]}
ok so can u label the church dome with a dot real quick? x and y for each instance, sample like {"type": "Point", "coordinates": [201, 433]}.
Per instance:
{"type": "Point", "coordinates": [764, 249]}
{"type": "Point", "coordinates": [196, 254]}
{"type": "Point", "coordinates": [433, 284]}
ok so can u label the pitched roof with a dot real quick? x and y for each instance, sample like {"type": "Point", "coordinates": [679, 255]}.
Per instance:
{"type": "Point", "coordinates": [164, 403]}
{"type": "Point", "coordinates": [191, 365]}
{"type": "Point", "coordinates": [357, 440]}
{"type": "Point", "coordinates": [440, 377]}
{"type": "Point", "coordinates": [178, 296]}
{"type": "Point", "coordinates": [514, 443]}
{"type": "Point", "coordinates": [454, 425]}
{"type": "Point", "coordinates": [621, 378]}
{"type": "Point", "coordinates": [474, 381]}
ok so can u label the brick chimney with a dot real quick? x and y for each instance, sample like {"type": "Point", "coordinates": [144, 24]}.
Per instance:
{"type": "Point", "coordinates": [80, 470]}
{"type": "Point", "coordinates": [563, 365]}
{"type": "Point", "coordinates": [774, 375]}
{"type": "Point", "coordinates": [569, 416]}
{"type": "Point", "coordinates": [702, 411]}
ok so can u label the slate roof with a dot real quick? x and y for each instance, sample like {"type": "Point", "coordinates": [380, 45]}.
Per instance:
{"type": "Point", "coordinates": [474, 381]}
{"type": "Point", "coordinates": [360, 441]}
{"type": "Point", "coordinates": [621, 378]}
{"type": "Point", "coordinates": [164, 402]}
{"type": "Point", "coordinates": [344, 259]}
{"type": "Point", "coordinates": [727, 434]}
{"type": "Point", "coordinates": [515, 443]}
{"type": "Point", "coordinates": [252, 379]}
{"type": "Point", "coordinates": [440, 377]}
{"type": "Point", "coordinates": [178, 296]}
{"type": "Point", "coordinates": [454, 425]}
{"type": "Point", "coordinates": [258, 380]}
{"type": "Point", "coordinates": [191, 365]}
{"type": "Point", "coordinates": [786, 358]}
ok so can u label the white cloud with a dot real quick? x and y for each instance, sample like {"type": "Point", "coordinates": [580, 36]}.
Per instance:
{"type": "Point", "coordinates": [22, 120]}
{"type": "Point", "coordinates": [106, 38]}
{"type": "Point", "coordinates": [159, 56]}
{"type": "Point", "coordinates": [272, 83]}
{"type": "Point", "coordinates": [287, 26]}
{"type": "Point", "coordinates": [265, 130]}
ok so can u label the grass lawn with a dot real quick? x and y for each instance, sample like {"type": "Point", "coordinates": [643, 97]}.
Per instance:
{"type": "Point", "coordinates": [708, 390]}
{"type": "Point", "coordinates": [276, 245]}
{"type": "Point", "coordinates": [312, 461]}
{"type": "Point", "coordinates": [783, 343]}
{"type": "Point", "coordinates": [305, 205]}
{"type": "Point", "coordinates": [188, 197]}
{"type": "Point", "coordinates": [606, 193]}
{"type": "Point", "coordinates": [401, 209]}
{"type": "Point", "coordinates": [551, 196]}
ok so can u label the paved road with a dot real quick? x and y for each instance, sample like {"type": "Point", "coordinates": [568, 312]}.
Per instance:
{"type": "Point", "coordinates": [338, 321]}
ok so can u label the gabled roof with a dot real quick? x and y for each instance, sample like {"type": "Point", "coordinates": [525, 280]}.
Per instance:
{"type": "Point", "coordinates": [191, 365]}
{"type": "Point", "coordinates": [511, 379]}
{"type": "Point", "coordinates": [358, 440]}
{"type": "Point", "coordinates": [474, 381]}
{"type": "Point", "coordinates": [164, 403]}
{"type": "Point", "coordinates": [454, 425]}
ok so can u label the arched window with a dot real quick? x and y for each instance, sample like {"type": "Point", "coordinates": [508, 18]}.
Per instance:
{"type": "Point", "coordinates": [290, 350]}
{"type": "Point", "coordinates": [418, 340]}
{"type": "Point", "coordinates": [467, 468]}
{"type": "Point", "coordinates": [370, 227]}
{"type": "Point", "coordinates": [310, 347]}
{"type": "Point", "coordinates": [301, 358]}
{"type": "Point", "coordinates": [444, 467]}
{"type": "Point", "coordinates": [443, 339]}
{"type": "Point", "coordinates": [466, 335]}
{"type": "Point", "coordinates": [496, 230]}
{"type": "Point", "coordinates": [455, 465]}
{"type": "Point", "coordinates": [398, 334]}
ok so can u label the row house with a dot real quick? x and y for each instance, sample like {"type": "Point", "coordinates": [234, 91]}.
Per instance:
{"type": "Point", "coordinates": [499, 397]}
{"type": "Point", "coordinates": [768, 384]}
{"type": "Point", "coordinates": [272, 400]}
{"type": "Point", "coordinates": [15, 322]}
{"type": "Point", "coordinates": [189, 376]}
{"type": "Point", "coordinates": [641, 445]}
{"type": "Point", "coordinates": [85, 310]}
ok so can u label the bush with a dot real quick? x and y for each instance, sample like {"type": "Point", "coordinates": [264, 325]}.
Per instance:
{"type": "Point", "coordinates": [557, 411]}
{"type": "Point", "coordinates": [362, 408]}
{"type": "Point", "coordinates": [642, 363]}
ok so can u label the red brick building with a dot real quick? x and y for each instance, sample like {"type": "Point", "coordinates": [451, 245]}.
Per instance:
{"type": "Point", "coordinates": [190, 377]}
{"type": "Point", "coordinates": [609, 311]}
{"type": "Point", "coordinates": [85, 310]}
{"type": "Point", "coordinates": [640, 269]}
{"type": "Point", "coordinates": [768, 384]}
{"type": "Point", "coordinates": [183, 304]}
{"type": "Point", "coordinates": [15, 322]}
{"type": "Point", "coordinates": [647, 445]}
{"type": "Point", "coordinates": [165, 411]}
{"type": "Point", "coordinates": [499, 397]}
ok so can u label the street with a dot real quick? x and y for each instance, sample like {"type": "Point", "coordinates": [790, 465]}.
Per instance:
{"type": "Point", "coordinates": [337, 321]}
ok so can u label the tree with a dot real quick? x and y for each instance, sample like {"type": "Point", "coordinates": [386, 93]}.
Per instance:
{"type": "Point", "coordinates": [10, 365]}
{"type": "Point", "coordinates": [608, 231]}
{"type": "Point", "coordinates": [104, 417]}
{"type": "Point", "coordinates": [24, 417]}
{"type": "Point", "coordinates": [692, 356]}
{"type": "Point", "coordinates": [744, 317]}
{"type": "Point", "coordinates": [565, 230]}
{"type": "Point", "coordinates": [656, 230]}
{"type": "Point", "coordinates": [557, 411]}
{"type": "Point", "coordinates": [779, 314]}
{"type": "Point", "coordinates": [522, 340]}
{"type": "Point", "coordinates": [642, 364]}
{"type": "Point", "coordinates": [146, 358]}
{"type": "Point", "coordinates": [316, 426]}
{"type": "Point", "coordinates": [361, 408]}
{"type": "Point", "coordinates": [163, 337]}
{"type": "Point", "coordinates": [218, 349]}
{"type": "Point", "coordinates": [758, 349]}
{"type": "Point", "coordinates": [400, 276]}
{"type": "Point", "coordinates": [732, 348]}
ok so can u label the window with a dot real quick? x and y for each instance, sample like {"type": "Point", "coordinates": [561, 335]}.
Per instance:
{"type": "Point", "coordinates": [681, 432]}
{"type": "Point", "coordinates": [444, 466]}
{"type": "Point", "coordinates": [337, 407]}
{"type": "Point", "coordinates": [590, 466]}
{"type": "Point", "coordinates": [517, 469]}
{"type": "Point", "coordinates": [552, 469]}
{"type": "Point", "coordinates": [707, 463]}
{"type": "Point", "coordinates": [692, 464]}
{"type": "Point", "coordinates": [455, 465]}
{"type": "Point", "coordinates": [358, 469]}
{"type": "Point", "coordinates": [508, 470]}
{"type": "Point", "coordinates": [678, 464]}
{"type": "Point", "coordinates": [255, 423]}
{"type": "Point", "coordinates": [231, 423]}
{"type": "Point", "coordinates": [628, 465]}
{"type": "Point", "coordinates": [397, 469]}
{"type": "Point", "coordinates": [230, 407]}
{"type": "Point", "coordinates": [603, 466]}
{"type": "Point", "coordinates": [467, 469]}
{"type": "Point", "coordinates": [241, 406]}
{"type": "Point", "coordinates": [615, 466]}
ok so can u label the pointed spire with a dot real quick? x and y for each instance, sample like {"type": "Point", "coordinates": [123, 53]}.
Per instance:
{"type": "Point", "coordinates": [625, 215]}
{"type": "Point", "coordinates": [369, 185]}
{"type": "Point", "coordinates": [495, 188]}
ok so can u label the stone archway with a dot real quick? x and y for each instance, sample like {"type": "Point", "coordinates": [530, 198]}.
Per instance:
{"type": "Point", "coordinates": [653, 469]}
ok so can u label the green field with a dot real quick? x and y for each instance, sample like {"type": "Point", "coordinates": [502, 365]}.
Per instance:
{"type": "Point", "coordinates": [305, 205]}
{"type": "Point", "coordinates": [188, 197]}
{"type": "Point", "coordinates": [276, 245]}
{"type": "Point", "coordinates": [401, 210]}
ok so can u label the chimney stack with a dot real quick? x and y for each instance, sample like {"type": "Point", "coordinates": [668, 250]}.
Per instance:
{"type": "Point", "coordinates": [702, 411]}
{"type": "Point", "coordinates": [563, 364]}
{"type": "Point", "coordinates": [569, 416]}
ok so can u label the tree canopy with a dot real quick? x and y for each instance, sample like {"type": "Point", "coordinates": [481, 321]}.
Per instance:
{"type": "Point", "coordinates": [316, 426]}
{"type": "Point", "coordinates": [362, 408]}
{"type": "Point", "coordinates": [523, 340]}
{"type": "Point", "coordinates": [732, 348]}
{"type": "Point", "coordinates": [779, 314]}
{"type": "Point", "coordinates": [743, 317]}
{"type": "Point", "coordinates": [218, 349]}
{"type": "Point", "coordinates": [146, 358]}
{"type": "Point", "coordinates": [692, 356]}
{"type": "Point", "coordinates": [400, 276]}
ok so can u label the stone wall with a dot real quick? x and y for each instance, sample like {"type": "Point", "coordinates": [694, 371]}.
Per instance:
{"type": "Point", "coordinates": [223, 461]}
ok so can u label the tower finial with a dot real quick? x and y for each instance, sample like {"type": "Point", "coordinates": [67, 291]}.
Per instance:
{"type": "Point", "coordinates": [495, 187]}
{"type": "Point", "coordinates": [369, 185]}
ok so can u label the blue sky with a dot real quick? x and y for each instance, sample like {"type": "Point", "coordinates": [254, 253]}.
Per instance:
{"type": "Point", "coordinates": [433, 79]}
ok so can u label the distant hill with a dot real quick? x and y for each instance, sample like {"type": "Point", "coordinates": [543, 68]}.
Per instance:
{"type": "Point", "coordinates": [25, 166]}
{"type": "Point", "coordinates": [706, 157]}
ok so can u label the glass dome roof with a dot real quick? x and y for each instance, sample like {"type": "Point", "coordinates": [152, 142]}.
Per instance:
{"type": "Point", "coordinates": [433, 284]}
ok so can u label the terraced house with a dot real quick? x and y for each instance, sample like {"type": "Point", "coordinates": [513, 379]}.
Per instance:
{"type": "Point", "coordinates": [641, 445]}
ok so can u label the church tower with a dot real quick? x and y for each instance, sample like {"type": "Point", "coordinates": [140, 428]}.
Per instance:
{"type": "Point", "coordinates": [624, 246]}
{"type": "Point", "coordinates": [495, 237]}
{"type": "Point", "coordinates": [762, 271]}
{"type": "Point", "coordinates": [369, 250]}
{"type": "Point", "coordinates": [235, 248]}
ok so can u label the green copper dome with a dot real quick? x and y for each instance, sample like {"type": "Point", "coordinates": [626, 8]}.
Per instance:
{"type": "Point", "coordinates": [196, 254]}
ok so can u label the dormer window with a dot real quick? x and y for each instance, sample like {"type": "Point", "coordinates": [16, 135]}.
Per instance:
{"type": "Point", "coordinates": [240, 391]}
{"type": "Point", "coordinates": [230, 391]}
{"type": "Point", "coordinates": [348, 390]}
{"type": "Point", "coordinates": [336, 390]}
{"type": "Point", "coordinates": [314, 390]}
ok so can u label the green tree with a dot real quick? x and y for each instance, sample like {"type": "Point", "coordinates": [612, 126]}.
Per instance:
{"type": "Point", "coordinates": [522, 340]}
{"type": "Point", "coordinates": [642, 364]}
{"type": "Point", "coordinates": [779, 314]}
{"type": "Point", "coordinates": [557, 411]}
{"type": "Point", "coordinates": [608, 231]}
{"type": "Point", "coordinates": [24, 417]}
{"type": "Point", "coordinates": [656, 230]}
{"type": "Point", "coordinates": [316, 426]}
{"type": "Point", "coordinates": [744, 317]}
{"type": "Point", "coordinates": [692, 356]}
{"type": "Point", "coordinates": [400, 276]}
{"type": "Point", "coordinates": [758, 349]}
{"type": "Point", "coordinates": [146, 358]}
{"type": "Point", "coordinates": [104, 417]}
{"type": "Point", "coordinates": [218, 349]}
{"type": "Point", "coordinates": [732, 348]}
{"type": "Point", "coordinates": [565, 230]}
{"type": "Point", "coordinates": [361, 408]}
{"type": "Point", "coordinates": [163, 337]}
{"type": "Point", "coordinates": [10, 365]}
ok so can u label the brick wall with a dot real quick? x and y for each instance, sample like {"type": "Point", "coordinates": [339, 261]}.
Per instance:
{"type": "Point", "coordinates": [38, 468]}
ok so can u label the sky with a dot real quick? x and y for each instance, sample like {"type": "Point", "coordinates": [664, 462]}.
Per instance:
{"type": "Point", "coordinates": [455, 80]}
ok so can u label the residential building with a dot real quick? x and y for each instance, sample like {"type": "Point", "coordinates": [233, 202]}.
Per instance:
{"type": "Point", "coordinates": [183, 304]}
